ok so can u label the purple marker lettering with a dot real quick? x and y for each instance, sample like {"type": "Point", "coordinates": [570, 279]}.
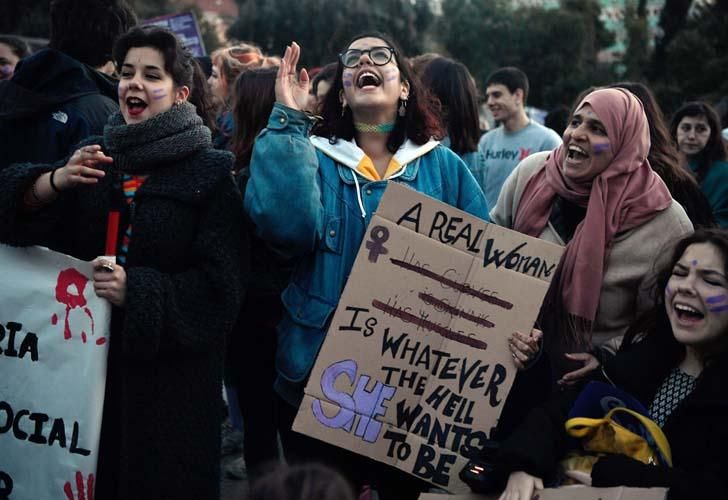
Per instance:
{"type": "Point", "coordinates": [716, 299]}
{"type": "Point", "coordinates": [600, 148]}
{"type": "Point", "coordinates": [718, 309]}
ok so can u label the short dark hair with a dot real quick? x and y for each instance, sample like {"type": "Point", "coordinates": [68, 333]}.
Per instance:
{"type": "Point", "coordinates": [87, 29]}
{"type": "Point", "coordinates": [512, 77]}
{"type": "Point", "coordinates": [253, 99]}
{"type": "Point", "coordinates": [178, 62]}
{"type": "Point", "coordinates": [419, 124]}
{"type": "Point", "coordinates": [452, 83]}
{"type": "Point", "coordinates": [715, 149]}
{"type": "Point", "coordinates": [17, 45]}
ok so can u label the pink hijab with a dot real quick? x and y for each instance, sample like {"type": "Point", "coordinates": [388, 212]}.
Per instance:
{"type": "Point", "coordinates": [625, 195]}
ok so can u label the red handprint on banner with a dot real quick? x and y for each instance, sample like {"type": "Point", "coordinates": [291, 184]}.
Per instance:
{"type": "Point", "coordinates": [69, 292]}
{"type": "Point", "coordinates": [85, 491]}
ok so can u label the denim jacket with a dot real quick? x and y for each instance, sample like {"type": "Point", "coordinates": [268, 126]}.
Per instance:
{"type": "Point", "coordinates": [307, 204]}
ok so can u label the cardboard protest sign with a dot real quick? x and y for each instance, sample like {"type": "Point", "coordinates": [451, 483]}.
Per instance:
{"type": "Point", "coordinates": [571, 493]}
{"type": "Point", "coordinates": [415, 367]}
{"type": "Point", "coordinates": [495, 246]}
{"type": "Point", "coordinates": [185, 26]}
{"type": "Point", "coordinates": [54, 339]}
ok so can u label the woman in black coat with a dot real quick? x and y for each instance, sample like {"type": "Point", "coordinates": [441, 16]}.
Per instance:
{"type": "Point", "coordinates": [678, 370]}
{"type": "Point", "coordinates": [175, 286]}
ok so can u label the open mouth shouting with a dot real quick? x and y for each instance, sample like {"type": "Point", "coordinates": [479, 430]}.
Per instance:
{"type": "Point", "coordinates": [686, 314]}
{"type": "Point", "coordinates": [135, 106]}
{"type": "Point", "coordinates": [576, 153]}
{"type": "Point", "coordinates": [368, 80]}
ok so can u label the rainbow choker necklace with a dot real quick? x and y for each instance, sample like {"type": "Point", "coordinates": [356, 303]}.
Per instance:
{"type": "Point", "coordinates": [382, 128]}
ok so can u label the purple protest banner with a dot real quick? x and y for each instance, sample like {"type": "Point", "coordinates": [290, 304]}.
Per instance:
{"type": "Point", "coordinates": [185, 26]}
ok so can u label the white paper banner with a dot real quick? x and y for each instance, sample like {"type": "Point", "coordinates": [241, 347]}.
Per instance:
{"type": "Point", "coordinates": [54, 339]}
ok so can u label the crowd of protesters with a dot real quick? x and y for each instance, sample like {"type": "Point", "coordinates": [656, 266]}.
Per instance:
{"type": "Point", "coordinates": [245, 185]}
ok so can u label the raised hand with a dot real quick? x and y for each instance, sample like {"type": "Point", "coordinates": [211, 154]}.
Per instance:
{"type": "Point", "coordinates": [292, 86]}
{"type": "Point", "coordinates": [81, 168]}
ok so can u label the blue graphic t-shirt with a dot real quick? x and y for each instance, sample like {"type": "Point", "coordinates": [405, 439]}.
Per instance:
{"type": "Point", "coordinates": [502, 151]}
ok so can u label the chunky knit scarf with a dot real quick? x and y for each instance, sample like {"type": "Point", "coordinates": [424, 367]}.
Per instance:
{"type": "Point", "coordinates": [162, 139]}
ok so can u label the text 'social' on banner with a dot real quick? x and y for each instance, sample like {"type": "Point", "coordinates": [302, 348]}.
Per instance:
{"type": "Point", "coordinates": [54, 334]}
{"type": "Point", "coordinates": [415, 367]}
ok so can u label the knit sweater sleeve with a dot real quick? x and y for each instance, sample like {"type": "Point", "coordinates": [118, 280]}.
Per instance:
{"type": "Point", "coordinates": [192, 310]}
{"type": "Point", "coordinates": [19, 227]}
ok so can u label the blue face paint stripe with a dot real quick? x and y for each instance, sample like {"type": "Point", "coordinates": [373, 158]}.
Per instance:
{"type": "Point", "coordinates": [716, 299]}
{"type": "Point", "coordinates": [719, 309]}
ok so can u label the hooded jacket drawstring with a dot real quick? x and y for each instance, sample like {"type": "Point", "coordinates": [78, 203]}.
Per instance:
{"type": "Point", "coordinates": [358, 197]}
{"type": "Point", "coordinates": [358, 189]}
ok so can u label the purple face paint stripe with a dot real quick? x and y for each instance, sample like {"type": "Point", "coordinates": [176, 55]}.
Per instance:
{"type": "Point", "coordinates": [158, 97]}
{"type": "Point", "coordinates": [718, 309]}
{"type": "Point", "coordinates": [716, 299]}
{"type": "Point", "coordinates": [348, 84]}
{"type": "Point", "coordinates": [694, 263]}
{"type": "Point", "coordinates": [600, 148]}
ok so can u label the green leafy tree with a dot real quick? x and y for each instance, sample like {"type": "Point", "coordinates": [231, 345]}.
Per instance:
{"type": "Point", "coordinates": [696, 60]}
{"type": "Point", "coordinates": [637, 57]}
{"type": "Point", "coordinates": [556, 48]}
{"type": "Point", "coordinates": [322, 27]}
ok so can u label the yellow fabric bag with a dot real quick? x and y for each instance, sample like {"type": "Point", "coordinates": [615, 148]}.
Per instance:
{"type": "Point", "coordinates": [606, 435]}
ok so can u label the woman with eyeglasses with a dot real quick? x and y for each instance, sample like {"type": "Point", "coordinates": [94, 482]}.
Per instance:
{"type": "Point", "coordinates": [695, 128]}
{"type": "Point", "coordinates": [313, 197]}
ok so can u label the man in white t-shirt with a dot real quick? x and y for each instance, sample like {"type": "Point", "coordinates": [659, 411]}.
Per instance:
{"type": "Point", "coordinates": [517, 136]}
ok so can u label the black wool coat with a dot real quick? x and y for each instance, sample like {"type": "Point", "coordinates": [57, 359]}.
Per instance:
{"type": "Point", "coordinates": [697, 429]}
{"type": "Point", "coordinates": [160, 434]}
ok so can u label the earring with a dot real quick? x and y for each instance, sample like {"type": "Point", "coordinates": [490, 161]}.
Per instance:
{"type": "Point", "coordinates": [402, 107]}
{"type": "Point", "coordinates": [343, 109]}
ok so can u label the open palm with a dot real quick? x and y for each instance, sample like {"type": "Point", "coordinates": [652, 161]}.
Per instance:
{"type": "Point", "coordinates": [292, 87]}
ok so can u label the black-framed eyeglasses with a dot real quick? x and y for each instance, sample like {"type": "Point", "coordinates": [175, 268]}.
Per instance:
{"type": "Point", "coordinates": [378, 55]}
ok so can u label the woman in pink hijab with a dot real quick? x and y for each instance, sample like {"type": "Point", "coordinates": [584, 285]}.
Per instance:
{"type": "Point", "coordinates": [596, 195]}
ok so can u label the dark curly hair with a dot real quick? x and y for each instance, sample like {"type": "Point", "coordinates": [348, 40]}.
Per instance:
{"type": "Point", "coordinates": [178, 62]}
{"type": "Point", "coordinates": [419, 124]}
{"type": "Point", "coordinates": [87, 29]}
